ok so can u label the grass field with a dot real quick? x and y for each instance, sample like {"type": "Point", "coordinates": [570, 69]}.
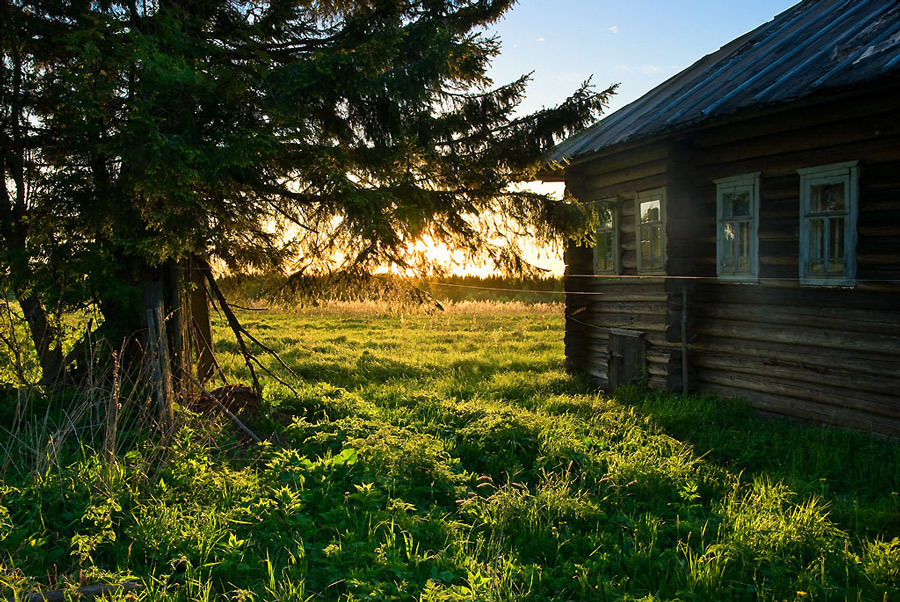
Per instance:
{"type": "Point", "coordinates": [448, 456]}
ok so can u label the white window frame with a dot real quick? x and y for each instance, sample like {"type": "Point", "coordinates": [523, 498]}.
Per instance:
{"type": "Point", "coordinates": [848, 174]}
{"type": "Point", "coordinates": [749, 183]}
{"type": "Point", "coordinates": [643, 196]}
{"type": "Point", "coordinates": [611, 204]}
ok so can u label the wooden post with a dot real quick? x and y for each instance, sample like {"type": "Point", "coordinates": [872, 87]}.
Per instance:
{"type": "Point", "coordinates": [200, 325]}
{"type": "Point", "coordinates": [182, 363]}
{"type": "Point", "coordinates": [112, 415]}
{"type": "Point", "coordinates": [684, 341]}
{"type": "Point", "coordinates": [161, 371]}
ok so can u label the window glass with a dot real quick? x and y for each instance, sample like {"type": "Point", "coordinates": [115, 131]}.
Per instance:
{"type": "Point", "coordinates": [737, 207]}
{"type": "Point", "coordinates": [606, 251]}
{"type": "Point", "coordinates": [650, 211]}
{"type": "Point", "coordinates": [650, 206]}
{"type": "Point", "coordinates": [827, 197]}
{"type": "Point", "coordinates": [828, 206]}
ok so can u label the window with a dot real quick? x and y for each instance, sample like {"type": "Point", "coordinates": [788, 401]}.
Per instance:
{"type": "Point", "coordinates": [737, 212]}
{"type": "Point", "coordinates": [650, 209]}
{"type": "Point", "coordinates": [606, 252]}
{"type": "Point", "coordinates": [828, 207]}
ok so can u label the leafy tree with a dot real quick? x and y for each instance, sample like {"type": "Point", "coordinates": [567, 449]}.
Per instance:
{"type": "Point", "coordinates": [174, 129]}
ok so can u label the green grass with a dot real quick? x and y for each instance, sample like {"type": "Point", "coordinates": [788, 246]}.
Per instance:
{"type": "Point", "coordinates": [449, 457]}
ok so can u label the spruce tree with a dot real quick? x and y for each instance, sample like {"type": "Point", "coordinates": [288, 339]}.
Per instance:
{"type": "Point", "coordinates": [256, 132]}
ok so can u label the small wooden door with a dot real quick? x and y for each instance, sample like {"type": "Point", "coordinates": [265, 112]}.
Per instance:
{"type": "Point", "coordinates": [627, 356]}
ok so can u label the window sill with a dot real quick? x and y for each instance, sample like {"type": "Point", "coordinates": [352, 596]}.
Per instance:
{"type": "Point", "coordinates": [728, 279]}
{"type": "Point", "coordinates": [828, 283]}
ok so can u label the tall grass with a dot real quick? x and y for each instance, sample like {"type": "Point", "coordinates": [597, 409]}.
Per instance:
{"type": "Point", "coordinates": [447, 456]}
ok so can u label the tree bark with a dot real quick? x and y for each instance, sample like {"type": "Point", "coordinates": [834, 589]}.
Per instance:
{"type": "Point", "coordinates": [13, 228]}
{"type": "Point", "coordinates": [201, 328]}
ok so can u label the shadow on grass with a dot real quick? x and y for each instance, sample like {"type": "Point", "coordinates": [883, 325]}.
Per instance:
{"type": "Point", "coordinates": [858, 474]}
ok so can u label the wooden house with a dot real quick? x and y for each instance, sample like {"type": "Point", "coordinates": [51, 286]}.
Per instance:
{"type": "Point", "coordinates": [749, 238]}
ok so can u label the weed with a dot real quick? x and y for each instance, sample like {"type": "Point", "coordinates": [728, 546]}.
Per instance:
{"type": "Point", "coordinates": [443, 457]}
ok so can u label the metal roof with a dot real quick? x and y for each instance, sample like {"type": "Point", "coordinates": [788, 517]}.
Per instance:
{"type": "Point", "coordinates": [814, 46]}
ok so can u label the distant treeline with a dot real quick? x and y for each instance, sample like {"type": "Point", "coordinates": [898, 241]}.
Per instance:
{"type": "Point", "coordinates": [494, 288]}
{"type": "Point", "coordinates": [315, 289]}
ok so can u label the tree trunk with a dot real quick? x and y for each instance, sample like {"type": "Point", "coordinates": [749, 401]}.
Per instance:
{"type": "Point", "coordinates": [13, 227]}
{"type": "Point", "coordinates": [200, 324]}
{"type": "Point", "coordinates": [48, 350]}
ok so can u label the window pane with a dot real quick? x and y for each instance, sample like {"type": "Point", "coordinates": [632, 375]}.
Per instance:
{"type": "Point", "coordinates": [650, 211]}
{"type": "Point", "coordinates": [826, 197]}
{"type": "Point", "coordinates": [605, 219]}
{"type": "Point", "coordinates": [728, 246]}
{"type": "Point", "coordinates": [655, 247]}
{"type": "Point", "coordinates": [743, 246]}
{"type": "Point", "coordinates": [816, 239]}
{"type": "Point", "coordinates": [737, 204]}
{"type": "Point", "coordinates": [836, 249]}
{"type": "Point", "coordinates": [645, 247]}
{"type": "Point", "coordinates": [605, 251]}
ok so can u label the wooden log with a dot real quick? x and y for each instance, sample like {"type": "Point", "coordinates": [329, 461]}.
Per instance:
{"type": "Point", "coordinates": [837, 318]}
{"type": "Point", "coordinates": [830, 398]}
{"type": "Point", "coordinates": [628, 322]}
{"type": "Point", "coordinates": [599, 188]}
{"type": "Point", "coordinates": [603, 304]}
{"type": "Point", "coordinates": [883, 389]}
{"type": "Point", "coordinates": [860, 363]}
{"type": "Point", "coordinates": [778, 293]}
{"type": "Point", "coordinates": [867, 151]}
{"type": "Point", "coordinates": [598, 375]}
{"type": "Point", "coordinates": [804, 117]}
{"type": "Point", "coordinates": [789, 407]}
{"type": "Point", "coordinates": [597, 172]}
{"type": "Point", "coordinates": [840, 133]}
{"type": "Point", "coordinates": [824, 338]}
{"type": "Point", "coordinates": [616, 161]}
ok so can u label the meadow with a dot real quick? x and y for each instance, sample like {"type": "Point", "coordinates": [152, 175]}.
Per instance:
{"type": "Point", "coordinates": [442, 455]}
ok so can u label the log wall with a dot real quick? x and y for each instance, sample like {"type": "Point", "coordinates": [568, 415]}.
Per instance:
{"type": "Point", "coordinates": [625, 302]}
{"type": "Point", "coordinates": [815, 353]}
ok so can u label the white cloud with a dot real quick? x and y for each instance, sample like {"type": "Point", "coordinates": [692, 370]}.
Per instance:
{"type": "Point", "coordinates": [614, 29]}
{"type": "Point", "coordinates": [624, 67]}
{"type": "Point", "coordinates": [539, 40]}
{"type": "Point", "coordinates": [650, 69]}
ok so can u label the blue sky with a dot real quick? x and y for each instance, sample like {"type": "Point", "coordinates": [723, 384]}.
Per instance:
{"type": "Point", "coordinates": [635, 43]}
{"type": "Point", "coordinates": [638, 43]}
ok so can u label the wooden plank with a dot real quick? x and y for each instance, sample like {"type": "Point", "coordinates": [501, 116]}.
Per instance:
{"type": "Point", "coordinates": [808, 356]}
{"type": "Point", "coordinates": [628, 321]}
{"type": "Point", "coordinates": [868, 151]}
{"type": "Point", "coordinates": [789, 407]}
{"type": "Point", "coordinates": [604, 305]}
{"type": "Point", "coordinates": [619, 160]}
{"type": "Point", "coordinates": [838, 133]}
{"type": "Point", "coordinates": [775, 293]}
{"type": "Point", "coordinates": [598, 189]}
{"type": "Point", "coordinates": [598, 172]}
{"type": "Point", "coordinates": [803, 118]}
{"type": "Point", "coordinates": [829, 398]}
{"type": "Point", "coordinates": [836, 376]}
{"type": "Point", "coordinates": [850, 320]}
{"type": "Point", "coordinates": [823, 338]}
